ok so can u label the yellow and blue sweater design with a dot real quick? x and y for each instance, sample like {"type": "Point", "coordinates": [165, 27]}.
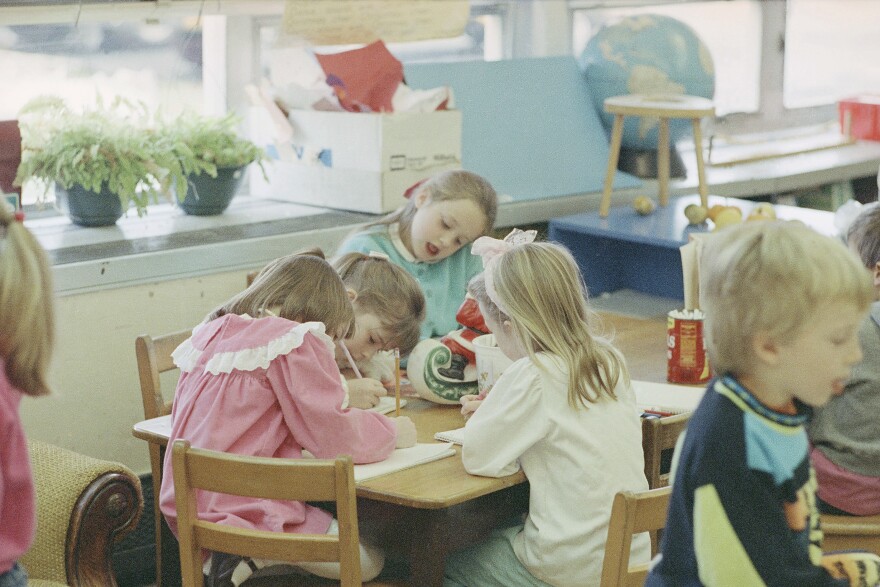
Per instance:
{"type": "Point", "coordinates": [743, 508]}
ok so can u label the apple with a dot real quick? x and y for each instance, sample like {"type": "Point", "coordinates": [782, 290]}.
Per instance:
{"type": "Point", "coordinates": [729, 215]}
{"type": "Point", "coordinates": [643, 205]}
{"type": "Point", "coordinates": [696, 213]}
{"type": "Point", "coordinates": [762, 211]}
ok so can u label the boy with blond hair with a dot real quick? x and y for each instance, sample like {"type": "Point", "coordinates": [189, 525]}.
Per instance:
{"type": "Point", "coordinates": [783, 307]}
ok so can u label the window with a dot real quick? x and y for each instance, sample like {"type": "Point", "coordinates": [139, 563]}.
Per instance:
{"type": "Point", "coordinates": [730, 30]}
{"type": "Point", "coordinates": [830, 51]}
{"type": "Point", "coordinates": [157, 63]}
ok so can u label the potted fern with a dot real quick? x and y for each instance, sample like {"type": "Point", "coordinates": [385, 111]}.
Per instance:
{"type": "Point", "coordinates": [212, 157]}
{"type": "Point", "coordinates": [101, 160]}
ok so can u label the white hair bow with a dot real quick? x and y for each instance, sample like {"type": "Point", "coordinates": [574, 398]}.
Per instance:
{"type": "Point", "coordinates": [491, 249]}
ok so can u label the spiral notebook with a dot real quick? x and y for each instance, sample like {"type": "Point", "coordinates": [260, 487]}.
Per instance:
{"type": "Point", "coordinates": [454, 436]}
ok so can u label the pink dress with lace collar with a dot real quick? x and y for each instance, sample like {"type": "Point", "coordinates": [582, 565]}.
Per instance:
{"type": "Point", "coordinates": [266, 387]}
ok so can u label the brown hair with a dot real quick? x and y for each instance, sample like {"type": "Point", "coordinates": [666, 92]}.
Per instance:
{"type": "Point", "coordinates": [389, 292]}
{"type": "Point", "coordinates": [864, 235]}
{"type": "Point", "coordinates": [303, 287]}
{"type": "Point", "coordinates": [27, 313]}
{"type": "Point", "coordinates": [448, 185]}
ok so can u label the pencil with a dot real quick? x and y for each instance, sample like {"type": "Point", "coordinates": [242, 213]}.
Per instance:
{"type": "Point", "coordinates": [351, 362]}
{"type": "Point", "coordinates": [397, 382]}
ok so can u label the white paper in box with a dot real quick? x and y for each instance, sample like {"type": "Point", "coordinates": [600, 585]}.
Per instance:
{"type": "Point", "coordinates": [357, 161]}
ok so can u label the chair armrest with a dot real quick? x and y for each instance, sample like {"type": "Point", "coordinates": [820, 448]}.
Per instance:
{"type": "Point", "coordinates": [84, 506]}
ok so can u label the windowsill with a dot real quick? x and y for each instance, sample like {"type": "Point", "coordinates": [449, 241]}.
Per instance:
{"type": "Point", "coordinates": [169, 244]}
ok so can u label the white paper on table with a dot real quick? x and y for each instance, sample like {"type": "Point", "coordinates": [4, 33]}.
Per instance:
{"type": "Point", "coordinates": [387, 404]}
{"type": "Point", "coordinates": [161, 426]}
{"type": "Point", "coordinates": [404, 458]}
{"type": "Point", "coordinates": [667, 397]}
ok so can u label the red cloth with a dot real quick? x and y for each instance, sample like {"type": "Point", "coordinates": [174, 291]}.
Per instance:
{"type": "Point", "coordinates": [365, 77]}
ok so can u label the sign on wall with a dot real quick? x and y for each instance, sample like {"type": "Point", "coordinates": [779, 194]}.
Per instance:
{"type": "Point", "coordinates": [337, 22]}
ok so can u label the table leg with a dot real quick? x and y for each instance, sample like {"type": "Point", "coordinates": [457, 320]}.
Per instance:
{"type": "Point", "coordinates": [170, 558]}
{"type": "Point", "coordinates": [427, 537]}
{"type": "Point", "coordinates": [701, 170]}
{"type": "Point", "coordinates": [613, 156]}
{"type": "Point", "coordinates": [167, 549]}
{"type": "Point", "coordinates": [663, 160]}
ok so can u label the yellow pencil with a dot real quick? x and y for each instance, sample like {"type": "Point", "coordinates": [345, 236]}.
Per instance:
{"type": "Point", "coordinates": [397, 382]}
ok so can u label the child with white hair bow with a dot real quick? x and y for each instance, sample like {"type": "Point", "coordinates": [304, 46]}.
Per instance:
{"type": "Point", "coordinates": [563, 411]}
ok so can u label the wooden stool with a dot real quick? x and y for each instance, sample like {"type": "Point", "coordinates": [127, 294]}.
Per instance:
{"type": "Point", "coordinates": [664, 108]}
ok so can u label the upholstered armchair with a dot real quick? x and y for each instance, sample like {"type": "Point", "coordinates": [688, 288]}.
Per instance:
{"type": "Point", "coordinates": [84, 506]}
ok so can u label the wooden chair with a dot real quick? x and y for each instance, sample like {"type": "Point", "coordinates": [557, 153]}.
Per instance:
{"type": "Point", "coordinates": [632, 513]}
{"type": "Point", "coordinates": [271, 478]}
{"type": "Point", "coordinates": [658, 435]}
{"type": "Point", "coordinates": [851, 532]}
{"type": "Point", "coordinates": [154, 359]}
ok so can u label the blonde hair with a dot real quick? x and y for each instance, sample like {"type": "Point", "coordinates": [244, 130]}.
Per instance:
{"type": "Point", "coordinates": [387, 291]}
{"type": "Point", "coordinates": [542, 287]}
{"type": "Point", "coordinates": [303, 286]}
{"type": "Point", "coordinates": [447, 186]}
{"type": "Point", "coordinates": [27, 314]}
{"type": "Point", "coordinates": [864, 235]}
{"type": "Point", "coordinates": [769, 277]}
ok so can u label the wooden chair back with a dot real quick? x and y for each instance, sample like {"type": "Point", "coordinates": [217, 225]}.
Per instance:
{"type": "Point", "coordinates": [851, 532]}
{"type": "Point", "coordinates": [267, 478]}
{"type": "Point", "coordinates": [154, 359]}
{"type": "Point", "coordinates": [658, 435]}
{"type": "Point", "coordinates": [632, 512]}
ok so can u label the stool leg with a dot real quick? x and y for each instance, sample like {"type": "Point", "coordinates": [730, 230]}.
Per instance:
{"type": "Point", "coordinates": [701, 170]}
{"type": "Point", "coordinates": [663, 160]}
{"type": "Point", "coordinates": [613, 155]}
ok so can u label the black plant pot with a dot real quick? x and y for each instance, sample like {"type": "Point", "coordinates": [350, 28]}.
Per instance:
{"type": "Point", "coordinates": [207, 196]}
{"type": "Point", "coordinates": [87, 208]}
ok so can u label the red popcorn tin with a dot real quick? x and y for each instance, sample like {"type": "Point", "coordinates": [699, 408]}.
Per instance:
{"type": "Point", "coordinates": [686, 348]}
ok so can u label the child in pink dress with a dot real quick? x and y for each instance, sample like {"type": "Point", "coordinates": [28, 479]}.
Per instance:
{"type": "Point", "coordinates": [26, 338]}
{"type": "Point", "coordinates": [259, 378]}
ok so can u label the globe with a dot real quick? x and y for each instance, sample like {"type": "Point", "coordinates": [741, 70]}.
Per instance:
{"type": "Point", "coordinates": [648, 54]}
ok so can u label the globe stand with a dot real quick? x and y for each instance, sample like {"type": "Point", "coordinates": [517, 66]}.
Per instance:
{"type": "Point", "coordinates": [663, 108]}
{"type": "Point", "coordinates": [643, 163]}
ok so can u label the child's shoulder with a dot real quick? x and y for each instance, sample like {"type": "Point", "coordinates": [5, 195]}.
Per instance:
{"type": "Point", "coordinates": [246, 339]}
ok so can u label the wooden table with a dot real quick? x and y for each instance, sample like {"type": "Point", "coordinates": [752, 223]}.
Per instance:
{"type": "Point", "coordinates": [428, 511]}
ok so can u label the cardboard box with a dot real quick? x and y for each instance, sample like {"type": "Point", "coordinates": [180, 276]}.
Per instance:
{"type": "Point", "coordinates": [355, 161]}
{"type": "Point", "coordinates": [860, 117]}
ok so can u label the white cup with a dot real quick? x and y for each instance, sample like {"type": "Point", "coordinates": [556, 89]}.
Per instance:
{"type": "Point", "coordinates": [491, 362]}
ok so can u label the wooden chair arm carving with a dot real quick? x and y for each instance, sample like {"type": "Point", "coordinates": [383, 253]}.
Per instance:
{"type": "Point", "coordinates": [106, 511]}
{"type": "Point", "coordinates": [84, 507]}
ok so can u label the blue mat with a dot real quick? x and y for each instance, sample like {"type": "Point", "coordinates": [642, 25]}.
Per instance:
{"type": "Point", "coordinates": [529, 126]}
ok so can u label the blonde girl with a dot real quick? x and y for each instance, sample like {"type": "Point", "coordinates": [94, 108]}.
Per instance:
{"type": "Point", "coordinates": [564, 412]}
{"type": "Point", "coordinates": [389, 308]}
{"type": "Point", "coordinates": [259, 378]}
{"type": "Point", "coordinates": [429, 236]}
{"type": "Point", "coordinates": [26, 340]}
